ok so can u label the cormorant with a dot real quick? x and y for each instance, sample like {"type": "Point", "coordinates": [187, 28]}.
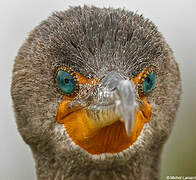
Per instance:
{"type": "Point", "coordinates": [95, 93]}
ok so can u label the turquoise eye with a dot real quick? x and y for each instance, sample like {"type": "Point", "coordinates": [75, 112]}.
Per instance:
{"type": "Point", "coordinates": [149, 82]}
{"type": "Point", "coordinates": [66, 82]}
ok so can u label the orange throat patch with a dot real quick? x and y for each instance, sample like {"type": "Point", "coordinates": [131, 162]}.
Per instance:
{"type": "Point", "coordinates": [97, 140]}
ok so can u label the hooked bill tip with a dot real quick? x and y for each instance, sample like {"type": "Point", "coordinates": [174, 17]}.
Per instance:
{"type": "Point", "coordinates": [129, 123]}
{"type": "Point", "coordinates": [127, 99]}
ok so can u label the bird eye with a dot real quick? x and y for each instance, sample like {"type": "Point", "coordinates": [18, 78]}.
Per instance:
{"type": "Point", "coordinates": [149, 82]}
{"type": "Point", "coordinates": [146, 80]}
{"type": "Point", "coordinates": [66, 81]}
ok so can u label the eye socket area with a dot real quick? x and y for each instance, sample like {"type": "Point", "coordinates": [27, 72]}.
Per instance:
{"type": "Point", "coordinates": [146, 80]}
{"type": "Point", "coordinates": [66, 81]}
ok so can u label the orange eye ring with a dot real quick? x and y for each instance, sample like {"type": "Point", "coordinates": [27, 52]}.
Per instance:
{"type": "Point", "coordinates": [141, 79]}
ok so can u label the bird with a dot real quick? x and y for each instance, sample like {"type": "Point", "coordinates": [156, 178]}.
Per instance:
{"type": "Point", "coordinates": [95, 93]}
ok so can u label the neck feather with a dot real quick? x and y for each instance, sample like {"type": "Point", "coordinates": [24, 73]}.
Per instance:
{"type": "Point", "coordinates": [139, 167]}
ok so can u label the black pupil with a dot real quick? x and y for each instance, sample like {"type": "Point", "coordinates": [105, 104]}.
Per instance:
{"type": "Point", "coordinates": [66, 81]}
{"type": "Point", "coordinates": [148, 80]}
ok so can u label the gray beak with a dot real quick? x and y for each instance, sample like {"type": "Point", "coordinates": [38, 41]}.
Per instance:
{"type": "Point", "coordinates": [124, 98]}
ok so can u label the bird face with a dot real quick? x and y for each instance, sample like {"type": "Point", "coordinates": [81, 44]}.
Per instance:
{"type": "Point", "coordinates": [107, 119]}
{"type": "Point", "coordinates": [95, 82]}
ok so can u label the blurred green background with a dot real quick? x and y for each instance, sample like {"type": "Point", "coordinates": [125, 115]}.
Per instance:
{"type": "Point", "coordinates": [176, 19]}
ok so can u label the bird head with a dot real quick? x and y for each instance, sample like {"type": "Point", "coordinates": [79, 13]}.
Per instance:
{"type": "Point", "coordinates": [95, 83]}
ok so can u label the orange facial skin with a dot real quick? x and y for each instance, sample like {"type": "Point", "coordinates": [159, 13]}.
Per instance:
{"type": "Point", "coordinates": [96, 140]}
